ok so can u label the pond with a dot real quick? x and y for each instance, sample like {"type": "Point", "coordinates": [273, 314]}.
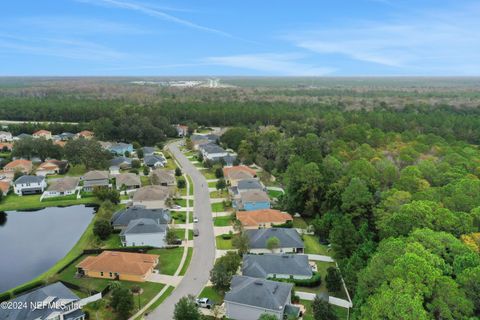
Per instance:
{"type": "Point", "coordinates": [31, 242]}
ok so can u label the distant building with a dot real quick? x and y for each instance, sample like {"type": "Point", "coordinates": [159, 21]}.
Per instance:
{"type": "Point", "coordinates": [122, 162]}
{"type": "Point", "coordinates": [5, 136]}
{"type": "Point", "coordinates": [152, 197]}
{"type": "Point", "coordinates": [163, 177]}
{"type": "Point", "coordinates": [120, 148]}
{"type": "Point", "coordinates": [148, 151]}
{"type": "Point", "coordinates": [236, 173]}
{"type": "Point", "coordinates": [94, 179]}
{"type": "Point", "coordinates": [52, 167]}
{"type": "Point", "coordinates": [43, 134]}
{"type": "Point", "coordinates": [122, 218]}
{"type": "Point", "coordinates": [144, 232]}
{"type": "Point", "coordinates": [182, 130]}
{"type": "Point", "coordinates": [154, 161]}
{"type": "Point", "coordinates": [21, 165]}
{"type": "Point", "coordinates": [85, 134]}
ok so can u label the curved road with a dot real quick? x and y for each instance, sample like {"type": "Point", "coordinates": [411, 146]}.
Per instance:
{"type": "Point", "coordinates": [203, 257]}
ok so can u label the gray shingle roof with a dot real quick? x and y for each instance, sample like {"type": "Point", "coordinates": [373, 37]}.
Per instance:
{"type": "Point", "coordinates": [123, 217]}
{"type": "Point", "coordinates": [260, 266]}
{"type": "Point", "coordinates": [289, 238]}
{"type": "Point", "coordinates": [55, 293]}
{"type": "Point", "coordinates": [164, 176]}
{"type": "Point", "coordinates": [148, 150]}
{"type": "Point", "coordinates": [153, 159]}
{"type": "Point", "coordinates": [259, 293]}
{"type": "Point", "coordinates": [212, 148]}
{"type": "Point", "coordinates": [64, 184]}
{"type": "Point", "coordinates": [254, 196]}
{"type": "Point", "coordinates": [29, 179]}
{"type": "Point", "coordinates": [128, 179]}
{"type": "Point", "coordinates": [96, 175]}
{"type": "Point", "coordinates": [117, 161]}
{"type": "Point", "coordinates": [249, 184]}
{"type": "Point", "coordinates": [139, 226]}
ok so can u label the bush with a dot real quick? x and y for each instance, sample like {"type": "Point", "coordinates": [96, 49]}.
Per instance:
{"type": "Point", "coordinates": [181, 183]}
{"type": "Point", "coordinates": [227, 236]}
{"type": "Point", "coordinates": [102, 229]}
{"type": "Point", "coordinates": [178, 172]}
{"type": "Point", "coordinates": [5, 296]}
{"type": "Point", "coordinates": [288, 224]}
{"type": "Point", "coordinates": [134, 171]}
{"type": "Point", "coordinates": [314, 281]}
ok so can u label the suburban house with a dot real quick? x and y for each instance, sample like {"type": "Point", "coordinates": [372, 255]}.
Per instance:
{"type": "Point", "coordinates": [85, 134]}
{"type": "Point", "coordinates": [61, 187]}
{"type": "Point", "coordinates": [252, 200]}
{"type": "Point", "coordinates": [116, 265]}
{"type": "Point", "coordinates": [200, 139]}
{"type": "Point", "coordinates": [5, 136]}
{"type": "Point", "coordinates": [163, 177]}
{"type": "Point", "coordinates": [247, 185]}
{"type": "Point", "coordinates": [283, 266]}
{"type": "Point", "coordinates": [55, 302]}
{"type": "Point", "coordinates": [289, 240]}
{"type": "Point", "coordinates": [152, 197]}
{"type": "Point", "coordinates": [122, 218]}
{"type": "Point", "coordinates": [52, 167]}
{"type": "Point", "coordinates": [211, 151]}
{"type": "Point", "coordinates": [122, 162]}
{"type": "Point", "coordinates": [4, 186]}
{"type": "Point", "coordinates": [22, 136]}
{"type": "Point", "coordinates": [148, 151]}
{"type": "Point", "coordinates": [144, 232]}
{"type": "Point", "coordinates": [6, 146]}
{"type": "Point", "coordinates": [129, 181]}
{"type": "Point", "coordinates": [249, 298]}
{"type": "Point", "coordinates": [26, 185]}
{"type": "Point", "coordinates": [236, 173]}
{"type": "Point", "coordinates": [42, 134]}
{"type": "Point", "coordinates": [120, 148]}
{"type": "Point", "coordinates": [65, 136]}
{"type": "Point", "coordinates": [94, 179]}
{"type": "Point", "coordinates": [182, 130]}
{"type": "Point", "coordinates": [154, 161]}
{"type": "Point", "coordinates": [264, 218]}
{"type": "Point", "coordinates": [21, 165]}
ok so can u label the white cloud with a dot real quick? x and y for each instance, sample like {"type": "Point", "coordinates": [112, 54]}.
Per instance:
{"type": "Point", "coordinates": [275, 64]}
{"type": "Point", "coordinates": [420, 43]}
{"type": "Point", "coordinates": [154, 12]}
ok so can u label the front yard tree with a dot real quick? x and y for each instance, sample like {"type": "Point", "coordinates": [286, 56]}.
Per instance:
{"type": "Point", "coordinates": [104, 194]}
{"type": "Point", "coordinates": [146, 170]}
{"type": "Point", "coordinates": [140, 153]}
{"type": "Point", "coordinates": [102, 229]}
{"type": "Point", "coordinates": [223, 270]}
{"type": "Point", "coordinates": [178, 171]}
{"type": "Point", "coordinates": [273, 243]}
{"type": "Point", "coordinates": [241, 242]}
{"type": "Point", "coordinates": [219, 173]}
{"type": "Point", "coordinates": [322, 310]}
{"type": "Point", "coordinates": [136, 164]}
{"type": "Point", "coordinates": [122, 302]}
{"type": "Point", "coordinates": [186, 309]}
{"type": "Point", "coordinates": [333, 280]}
{"type": "Point", "coordinates": [221, 184]}
{"type": "Point", "coordinates": [171, 236]}
{"type": "Point", "coordinates": [181, 183]}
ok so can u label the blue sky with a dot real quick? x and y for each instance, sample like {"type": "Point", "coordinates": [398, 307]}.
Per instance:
{"type": "Point", "coordinates": [240, 37]}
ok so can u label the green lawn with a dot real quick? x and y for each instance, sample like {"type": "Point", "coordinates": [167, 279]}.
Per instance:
{"type": "Point", "coordinates": [299, 223]}
{"type": "Point", "coordinates": [212, 184]}
{"type": "Point", "coordinates": [181, 234]}
{"type": "Point", "coordinates": [223, 244]}
{"type": "Point", "coordinates": [113, 241]}
{"type": "Point", "coordinates": [322, 269]}
{"type": "Point", "coordinates": [181, 202]}
{"type": "Point", "coordinates": [209, 174]}
{"type": "Point", "coordinates": [76, 170]}
{"type": "Point", "coordinates": [145, 180]}
{"type": "Point", "coordinates": [169, 259]}
{"type": "Point", "coordinates": [181, 216]}
{"type": "Point", "coordinates": [312, 246]}
{"type": "Point", "coordinates": [212, 294]}
{"type": "Point", "coordinates": [159, 301]}
{"type": "Point", "coordinates": [222, 221]}
{"type": "Point", "coordinates": [274, 193]}
{"type": "Point", "coordinates": [14, 202]}
{"type": "Point", "coordinates": [187, 261]}
{"type": "Point", "coordinates": [342, 313]}
{"type": "Point", "coordinates": [218, 207]}
{"type": "Point", "coordinates": [190, 182]}
{"type": "Point", "coordinates": [219, 194]}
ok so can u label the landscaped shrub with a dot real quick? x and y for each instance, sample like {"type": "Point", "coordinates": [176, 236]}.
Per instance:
{"type": "Point", "coordinates": [226, 236]}
{"type": "Point", "coordinates": [314, 281]}
{"type": "Point", "coordinates": [288, 224]}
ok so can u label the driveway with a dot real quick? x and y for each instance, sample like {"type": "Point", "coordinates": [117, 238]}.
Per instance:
{"type": "Point", "coordinates": [204, 253]}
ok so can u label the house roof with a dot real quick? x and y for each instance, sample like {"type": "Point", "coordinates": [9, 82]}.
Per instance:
{"type": "Point", "coordinates": [19, 162]}
{"type": "Point", "coordinates": [212, 148]}
{"type": "Point", "coordinates": [96, 175]}
{"type": "Point", "coordinates": [52, 164]}
{"type": "Point", "coordinates": [117, 161]}
{"type": "Point", "coordinates": [164, 176]}
{"type": "Point", "coordinates": [139, 226]}
{"type": "Point", "coordinates": [151, 160]}
{"type": "Point", "coordinates": [57, 294]}
{"type": "Point", "coordinates": [4, 186]}
{"type": "Point", "coordinates": [289, 238]}
{"type": "Point", "coordinates": [5, 133]}
{"type": "Point", "coordinates": [239, 172]}
{"type": "Point", "coordinates": [250, 184]}
{"type": "Point", "coordinates": [85, 133]}
{"type": "Point", "coordinates": [257, 217]}
{"type": "Point", "coordinates": [24, 135]}
{"type": "Point", "coordinates": [29, 179]}
{"type": "Point", "coordinates": [64, 184]}
{"type": "Point", "coordinates": [254, 196]}
{"type": "Point", "coordinates": [152, 193]}
{"type": "Point", "coordinates": [148, 150]}
{"type": "Point", "coordinates": [6, 144]}
{"type": "Point", "coordinates": [128, 179]}
{"type": "Point", "coordinates": [120, 262]}
{"type": "Point", "coordinates": [259, 293]}
{"type": "Point", "coordinates": [125, 216]}
{"type": "Point", "coordinates": [260, 266]}
{"type": "Point", "coordinates": [120, 145]}
{"type": "Point", "coordinates": [42, 132]}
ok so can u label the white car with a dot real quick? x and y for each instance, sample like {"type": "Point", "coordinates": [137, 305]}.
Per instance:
{"type": "Point", "coordinates": [204, 303]}
{"type": "Point", "coordinates": [195, 219]}
{"type": "Point", "coordinates": [176, 207]}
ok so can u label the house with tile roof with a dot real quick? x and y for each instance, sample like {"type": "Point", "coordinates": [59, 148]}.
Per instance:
{"type": "Point", "coordinates": [264, 218]}
{"type": "Point", "coordinates": [6, 136]}
{"type": "Point", "coordinates": [116, 265]}
{"type": "Point", "coordinates": [284, 266]}
{"type": "Point", "coordinates": [21, 165]}
{"type": "Point", "coordinates": [42, 134]}
{"type": "Point", "coordinates": [289, 240]}
{"type": "Point", "coordinates": [52, 167]}
{"type": "Point", "coordinates": [236, 173]}
{"type": "Point", "coordinates": [85, 134]}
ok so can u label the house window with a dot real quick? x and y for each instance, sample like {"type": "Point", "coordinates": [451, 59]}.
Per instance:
{"type": "Point", "coordinates": [101, 273]}
{"type": "Point", "coordinates": [111, 274]}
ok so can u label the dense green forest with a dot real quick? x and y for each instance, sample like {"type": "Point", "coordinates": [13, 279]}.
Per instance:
{"type": "Point", "coordinates": [387, 174]}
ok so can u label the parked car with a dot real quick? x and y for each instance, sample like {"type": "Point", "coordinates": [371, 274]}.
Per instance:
{"type": "Point", "coordinates": [195, 232]}
{"type": "Point", "coordinates": [176, 207]}
{"type": "Point", "coordinates": [195, 219]}
{"type": "Point", "coordinates": [204, 303]}
{"type": "Point", "coordinates": [177, 241]}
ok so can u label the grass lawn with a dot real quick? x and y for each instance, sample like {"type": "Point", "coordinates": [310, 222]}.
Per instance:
{"type": "Point", "coordinates": [182, 191]}
{"type": "Point", "coordinates": [299, 223]}
{"type": "Point", "coordinates": [218, 207]}
{"type": "Point", "coordinates": [274, 193]}
{"type": "Point", "coordinates": [219, 194]}
{"type": "Point", "coordinates": [322, 269]}
{"type": "Point", "coordinates": [190, 182]}
{"type": "Point", "coordinates": [312, 246]}
{"type": "Point", "coordinates": [342, 313]}
{"type": "Point", "coordinates": [212, 294]}
{"type": "Point", "coordinates": [14, 202]}
{"type": "Point", "coordinates": [159, 301]}
{"type": "Point", "coordinates": [113, 241]}
{"type": "Point", "coordinates": [145, 180]}
{"type": "Point", "coordinates": [181, 234]}
{"type": "Point", "coordinates": [181, 216]}
{"type": "Point", "coordinates": [76, 170]}
{"type": "Point", "coordinates": [169, 259]}
{"type": "Point", "coordinates": [222, 221]}
{"type": "Point", "coordinates": [209, 174]}
{"type": "Point", "coordinates": [223, 244]}
{"type": "Point", "coordinates": [187, 261]}
{"type": "Point", "coordinates": [212, 184]}
{"type": "Point", "coordinates": [181, 202]}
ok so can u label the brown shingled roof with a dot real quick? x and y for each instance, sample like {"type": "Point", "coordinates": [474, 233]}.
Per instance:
{"type": "Point", "coordinates": [120, 262]}
{"type": "Point", "coordinates": [230, 171]}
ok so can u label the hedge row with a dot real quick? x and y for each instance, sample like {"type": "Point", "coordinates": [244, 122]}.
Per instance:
{"type": "Point", "coordinates": [27, 287]}
{"type": "Point", "coordinates": [314, 281]}
{"type": "Point", "coordinates": [5, 296]}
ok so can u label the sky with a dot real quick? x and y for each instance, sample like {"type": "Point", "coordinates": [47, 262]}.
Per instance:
{"type": "Point", "coordinates": [240, 38]}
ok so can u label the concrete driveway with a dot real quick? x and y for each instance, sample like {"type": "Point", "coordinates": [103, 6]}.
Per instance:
{"type": "Point", "coordinates": [204, 254]}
